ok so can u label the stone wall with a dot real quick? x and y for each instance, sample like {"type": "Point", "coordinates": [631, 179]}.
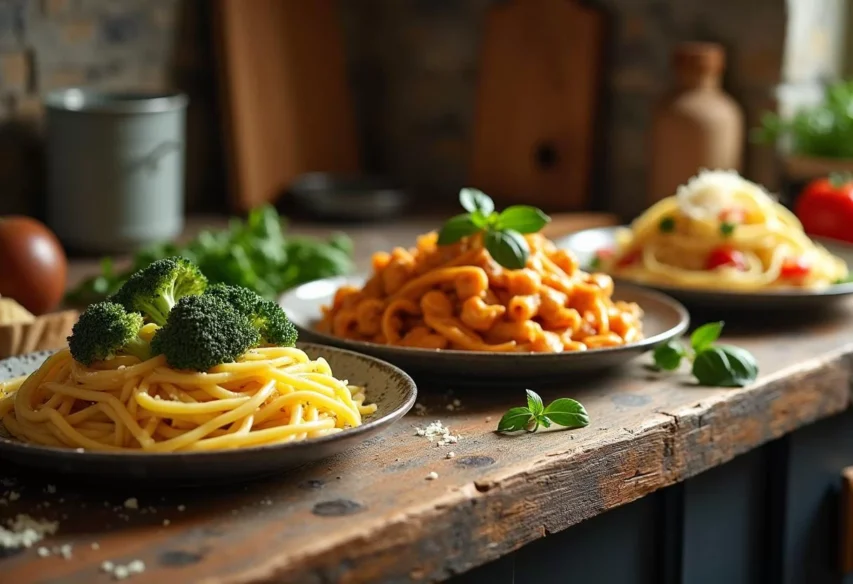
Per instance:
{"type": "Point", "coordinates": [413, 68]}
{"type": "Point", "coordinates": [105, 44]}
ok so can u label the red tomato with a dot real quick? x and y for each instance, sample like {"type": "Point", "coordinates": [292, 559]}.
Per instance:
{"type": "Point", "coordinates": [825, 208]}
{"type": "Point", "coordinates": [725, 256]}
{"type": "Point", "coordinates": [629, 258]}
{"type": "Point", "coordinates": [794, 268]}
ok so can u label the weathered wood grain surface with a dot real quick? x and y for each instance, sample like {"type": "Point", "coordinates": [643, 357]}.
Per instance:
{"type": "Point", "coordinates": [371, 515]}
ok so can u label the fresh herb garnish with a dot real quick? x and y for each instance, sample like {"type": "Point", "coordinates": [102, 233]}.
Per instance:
{"type": "Point", "coordinates": [820, 130]}
{"type": "Point", "coordinates": [255, 253]}
{"type": "Point", "coordinates": [667, 225]}
{"type": "Point", "coordinates": [714, 364]}
{"type": "Point", "coordinates": [564, 412]}
{"type": "Point", "coordinates": [502, 232]}
{"type": "Point", "coordinates": [727, 228]}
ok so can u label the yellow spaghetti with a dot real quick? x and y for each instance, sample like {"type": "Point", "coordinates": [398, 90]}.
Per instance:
{"type": "Point", "coordinates": [721, 232]}
{"type": "Point", "coordinates": [270, 395]}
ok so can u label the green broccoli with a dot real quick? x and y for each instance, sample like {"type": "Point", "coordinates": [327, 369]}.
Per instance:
{"type": "Point", "coordinates": [204, 331]}
{"type": "Point", "coordinates": [267, 317]}
{"type": "Point", "coordinates": [154, 290]}
{"type": "Point", "coordinates": [105, 329]}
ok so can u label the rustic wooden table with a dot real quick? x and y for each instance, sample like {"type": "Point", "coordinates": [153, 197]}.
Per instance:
{"type": "Point", "coordinates": [372, 516]}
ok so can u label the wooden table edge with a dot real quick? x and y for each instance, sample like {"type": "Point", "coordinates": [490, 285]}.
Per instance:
{"type": "Point", "coordinates": [619, 472]}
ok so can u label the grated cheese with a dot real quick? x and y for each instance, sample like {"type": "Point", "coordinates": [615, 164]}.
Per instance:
{"type": "Point", "coordinates": [24, 531]}
{"type": "Point", "coordinates": [131, 503]}
{"type": "Point", "coordinates": [432, 476]}
{"type": "Point", "coordinates": [438, 433]}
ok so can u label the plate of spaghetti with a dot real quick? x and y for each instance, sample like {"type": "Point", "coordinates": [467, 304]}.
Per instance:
{"type": "Point", "coordinates": [486, 296]}
{"type": "Point", "coordinates": [173, 379]}
{"type": "Point", "coordinates": [721, 240]}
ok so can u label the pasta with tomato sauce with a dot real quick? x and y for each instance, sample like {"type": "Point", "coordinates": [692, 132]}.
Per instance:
{"type": "Point", "coordinates": [458, 297]}
{"type": "Point", "coordinates": [721, 232]}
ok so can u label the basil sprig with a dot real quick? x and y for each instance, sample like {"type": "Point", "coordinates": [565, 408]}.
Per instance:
{"type": "Point", "coordinates": [714, 364]}
{"type": "Point", "coordinates": [503, 232]}
{"type": "Point", "coordinates": [564, 412]}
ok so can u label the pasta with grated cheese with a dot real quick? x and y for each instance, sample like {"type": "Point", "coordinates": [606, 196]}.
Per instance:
{"type": "Point", "coordinates": [721, 232]}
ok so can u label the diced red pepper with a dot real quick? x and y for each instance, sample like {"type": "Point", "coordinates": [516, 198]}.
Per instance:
{"type": "Point", "coordinates": [795, 268]}
{"type": "Point", "coordinates": [725, 256]}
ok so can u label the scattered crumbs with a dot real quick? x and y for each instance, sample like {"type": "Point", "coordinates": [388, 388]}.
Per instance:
{"type": "Point", "coordinates": [65, 551]}
{"type": "Point", "coordinates": [450, 407]}
{"type": "Point", "coordinates": [488, 418]}
{"type": "Point", "coordinates": [14, 495]}
{"type": "Point", "coordinates": [51, 489]}
{"type": "Point", "coordinates": [131, 503]}
{"type": "Point", "coordinates": [571, 436]}
{"type": "Point", "coordinates": [24, 531]}
{"type": "Point", "coordinates": [450, 455]}
{"type": "Point", "coordinates": [166, 523]}
{"type": "Point", "coordinates": [438, 433]}
{"type": "Point", "coordinates": [457, 402]}
{"type": "Point", "coordinates": [152, 510]}
{"type": "Point", "coordinates": [43, 552]}
{"type": "Point", "coordinates": [120, 367]}
{"type": "Point", "coordinates": [420, 410]}
{"type": "Point", "coordinates": [96, 545]}
{"type": "Point", "coordinates": [338, 478]}
{"type": "Point", "coordinates": [79, 450]}
{"type": "Point", "coordinates": [182, 507]}
{"type": "Point", "coordinates": [432, 476]}
{"type": "Point", "coordinates": [120, 572]}
{"type": "Point", "coordinates": [396, 460]}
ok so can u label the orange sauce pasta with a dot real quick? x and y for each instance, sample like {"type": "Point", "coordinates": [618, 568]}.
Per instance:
{"type": "Point", "coordinates": [457, 297]}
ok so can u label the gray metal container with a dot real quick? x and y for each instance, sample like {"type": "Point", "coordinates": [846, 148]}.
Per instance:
{"type": "Point", "coordinates": [115, 168]}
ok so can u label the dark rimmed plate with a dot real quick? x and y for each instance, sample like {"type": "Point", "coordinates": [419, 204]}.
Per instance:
{"type": "Point", "coordinates": [392, 390]}
{"type": "Point", "coordinates": [585, 243]}
{"type": "Point", "coordinates": [664, 319]}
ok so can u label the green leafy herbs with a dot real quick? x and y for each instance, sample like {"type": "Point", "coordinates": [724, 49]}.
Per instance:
{"type": "Point", "coordinates": [727, 228]}
{"type": "Point", "coordinates": [713, 364]}
{"type": "Point", "coordinates": [563, 412]}
{"type": "Point", "coordinates": [255, 253]}
{"type": "Point", "coordinates": [821, 130]}
{"type": "Point", "coordinates": [503, 233]}
{"type": "Point", "coordinates": [667, 225]}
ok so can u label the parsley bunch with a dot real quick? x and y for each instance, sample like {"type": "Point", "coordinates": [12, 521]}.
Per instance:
{"type": "Point", "coordinates": [713, 364]}
{"type": "Point", "coordinates": [503, 232]}
{"type": "Point", "coordinates": [562, 412]}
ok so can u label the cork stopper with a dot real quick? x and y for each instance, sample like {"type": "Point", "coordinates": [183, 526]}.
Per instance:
{"type": "Point", "coordinates": [708, 58]}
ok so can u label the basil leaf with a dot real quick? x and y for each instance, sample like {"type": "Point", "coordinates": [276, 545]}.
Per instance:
{"type": "Point", "coordinates": [508, 248]}
{"type": "Point", "coordinates": [514, 420]}
{"type": "Point", "coordinates": [544, 421]}
{"type": "Point", "coordinates": [725, 366]}
{"type": "Point", "coordinates": [705, 335]}
{"type": "Point", "coordinates": [567, 412]}
{"type": "Point", "coordinates": [456, 228]}
{"type": "Point", "coordinates": [727, 228]}
{"type": "Point", "coordinates": [480, 220]}
{"type": "Point", "coordinates": [534, 402]}
{"type": "Point", "coordinates": [473, 200]}
{"type": "Point", "coordinates": [522, 218]}
{"type": "Point", "coordinates": [668, 356]}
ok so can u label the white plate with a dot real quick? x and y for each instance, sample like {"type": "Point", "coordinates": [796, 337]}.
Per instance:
{"type": "Point", "coordinates": [587, 242]}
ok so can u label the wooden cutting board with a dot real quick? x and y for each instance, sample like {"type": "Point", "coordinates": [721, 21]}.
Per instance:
{"type": "Point", "coordinates": [285, 92]}
{"type": "Point", "coordinates": [536, 102]}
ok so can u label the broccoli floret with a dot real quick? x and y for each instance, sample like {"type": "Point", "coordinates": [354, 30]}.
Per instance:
{"type": "Point", "coordinates": [267, 317]}
{"type": "Point", "coordinates": [202, 332]}
{"type": "Point", "coordinates": [105, 329]}
{"type": "Point", "coordinates": [154, 290]}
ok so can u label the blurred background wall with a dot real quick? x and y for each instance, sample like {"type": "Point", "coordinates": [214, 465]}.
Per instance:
{"type": "Point", "coordinates": [413, 67]}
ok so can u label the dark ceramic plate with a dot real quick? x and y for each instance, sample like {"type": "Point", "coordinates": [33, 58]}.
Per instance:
{"type": "Point", "coordinates": [664, 319]}
{"type": "Point", "coordinates": [585, 243]}
{"type": "Point", "coordinates": [389, 388]}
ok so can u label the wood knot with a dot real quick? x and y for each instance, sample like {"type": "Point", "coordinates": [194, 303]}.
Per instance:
{"type": "Point", "coordinates": [475, 461]}
{"type": "Point", "coordinates": [337, 508]}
